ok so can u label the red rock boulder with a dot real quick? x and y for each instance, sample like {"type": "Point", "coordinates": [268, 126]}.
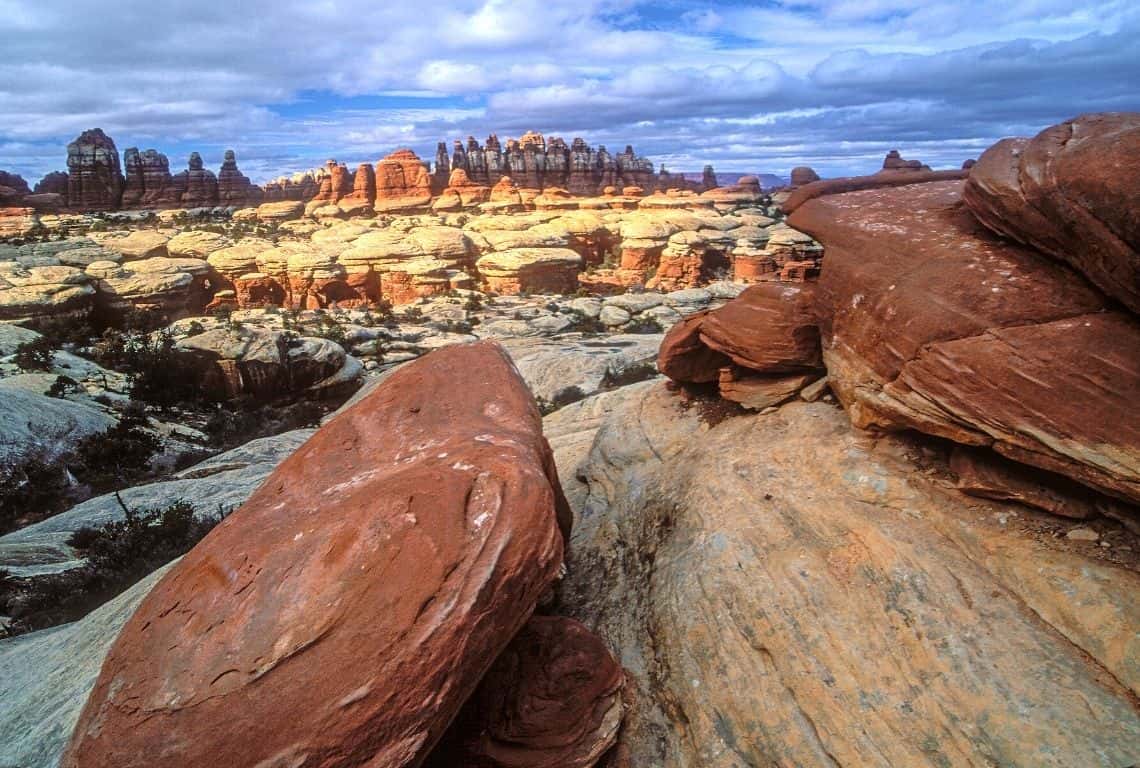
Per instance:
{"type": "Point", "coordinates": [343, 615]}
{"type": "Point", "coordinates": [802, 175]}
{"type": "Point", "coordinates": [1072, 192]}
{"type": "Point", "coordinates": [770, 328]}
{"type": "Point", "coordinates": [931, 322]}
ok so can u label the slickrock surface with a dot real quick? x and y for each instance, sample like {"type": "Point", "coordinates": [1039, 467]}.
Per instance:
{"type": "Point", "coordinates": [787, 590]}
{"type": "Point", "coordinates": [355, 601]}
{"type": "Point", "coordinates": [224, 481]}
{"type": "Point", "coordinates": [931, 322]}
{"type": "Point", "coordinates": [1071, 192]}
{"type": "Point", "coordinates": [45, 678]}
{"type": "Point", "coordinates": [553, 698]}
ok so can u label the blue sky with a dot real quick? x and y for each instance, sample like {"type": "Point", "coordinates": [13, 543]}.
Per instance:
{"type": "Point", "coordinates": [745, 86]}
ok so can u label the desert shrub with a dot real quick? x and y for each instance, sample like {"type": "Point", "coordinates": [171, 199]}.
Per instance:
{"type": "Point", "coordinates": [329, 329]}
{"type": "Point", "coordinates": [30, 489]}
{"type": "Point", "coordinates": [582, 323]}
{"type": "Point", "coordinates": [232, 425]}
{"type": "Point", "coordinates": [473, 303]}
{"type": "Point", "coordinates": [117, 455]}
{"type": "Point", "coordinates": [35, 355]}
{"type": "Point", "coordinates": [642, 371]}
{"type": "Point", "coordinates": [118, 553]}
{"type": "Point", "coordinates": [160, 374]}
{"type": "Point", "coordinates": [453, 326]}
{"type": "Point", "coordinates": [412, 314]}
{"type": "Point", "coordinates": [62, 385]}
{"type": "Point", "coordinates": [561, 398]}
{"type": "Point", "coordinates": [642, 325]}
{"type": "Point", "coordinates": [65, 329]}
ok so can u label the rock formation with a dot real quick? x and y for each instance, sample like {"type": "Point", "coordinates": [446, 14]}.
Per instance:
{"type": "Point", "coordinates": [781, 582]}
{"type": "Point", "coordinates": [54, 183]}
{"type": "Point", "coordinates": [13, 189]}
{"type": "Point", "coordinates": [201, 189]}
{"type": "Point", "coordinates": [930, 322]}
{"type": "Point", "coordinates": [553, 698]}
{"type": "Point", "coordinates": [1071, 193]}
{"type": "Point", "coordinates": [148, 183]}
{"type": "Point", "coordinates": [802, 175]}
{"type": "Point", "coordinates": [234, 189]}
{"type": "Point", "coordinates": [402, 182]}
{"type": "Point", "coordinates": [895, 162]}
{"type": "Point", "coordinates": [383, 605]}
{"type": "Point", "coordinates": [94, 176]}
{"type": "Point", "coordinates": [534, 162]}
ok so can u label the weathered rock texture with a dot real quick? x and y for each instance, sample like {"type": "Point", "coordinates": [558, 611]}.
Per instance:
{"type": "Point", "coordinates": [537, 163]}
{"type": "Point", "coordinates": [1072, 193]}
{"type": "Point", "coordinates": [931, 322]}
{"type": "Point", "coordinates": [201, 186]}
{"type": "Point", "coordinates": [788, 590]}
{"type": "Point", "coordinates": [148, 182]}
{"type": "Point", "coordinates": [402, 182]}
{"type": "Point", "coordinates": [94, 176]}
{"type": "Point", "coordinates": [233, 186]}
{"type": "Point", "coordinates": [353, 604]}
{"type": "Point", "coordinates": [553, 698]}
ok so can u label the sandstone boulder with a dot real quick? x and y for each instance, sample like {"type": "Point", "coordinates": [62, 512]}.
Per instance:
{"type": "Point", "coordinates": [278, 212]}
{"type": "Point", "coordinates": [1070, 192]}
{"type": "Point", "coordinates": [402, 182]}
{"type": "Point", "coordinates": [356, 626]}
{"type": "Point", "coordinates": [930, 322]}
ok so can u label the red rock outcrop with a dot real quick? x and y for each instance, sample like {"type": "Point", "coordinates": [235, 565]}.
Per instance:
{"type": "Point", "coordinates": [930, 322]}
{"type": "Point", "coordinates": [201, 185]}
{"type": "Point", "coordinates": [1070, 192]}
{"type": "Point", "coordinates": [148, 183]}
{"type": "Point", "coordinates": [803, 175]}
{"type": "Point", "coordinates": [684, 357]}
{"type": "Point", "coordinates": [402, 182]}
{"type": "Point", "coordinates": [879, 180]}
{"type": "Point", "coordinates": [54, 183]}
{"type": "Point", "coordinates": [352, 605]}
{"type": "Point", "coordinates": [335, 184]}
{"type": "Point", "coordinates": [13, 189]}
{"type": "Point", "coordinates": [234, 188]}
{"type": "Point", "coordinates": [94, 176]}
{"type": "Point", "coordinates": [895, 162]}
{"type": "Point", "coordinates": [553, 698]}
{"type": "Point", "coordinates": [770, 329]}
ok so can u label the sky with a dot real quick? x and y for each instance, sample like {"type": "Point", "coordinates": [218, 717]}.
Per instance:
{"type": "Point", "coordinates": [744, 86]}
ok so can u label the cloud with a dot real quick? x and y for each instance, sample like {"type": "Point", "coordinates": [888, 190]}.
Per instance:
{"type": "Point", "coordinates": [743, 85]}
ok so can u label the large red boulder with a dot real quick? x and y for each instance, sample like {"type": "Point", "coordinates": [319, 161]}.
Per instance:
{"type": "Point", "coordinates": [553, 698]}
{"type": "Point", "coordinates": [931, 322]}
{"type": "Point", "coordinates": [343, 615]}
{"type": "Point", "coordinates": [1072, 192]}
{"type": "Point", "coordinates": [770, 328]}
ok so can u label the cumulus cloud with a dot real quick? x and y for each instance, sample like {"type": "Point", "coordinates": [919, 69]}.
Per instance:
{"type": "Point", "coordinates": [747, 86]}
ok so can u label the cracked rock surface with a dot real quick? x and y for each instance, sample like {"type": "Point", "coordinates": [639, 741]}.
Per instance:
{"type": "Point", "coordinates": [785, 589]}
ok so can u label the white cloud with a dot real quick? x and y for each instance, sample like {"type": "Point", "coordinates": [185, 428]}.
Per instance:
{"type": "Point", "coordinates": [745, 86]}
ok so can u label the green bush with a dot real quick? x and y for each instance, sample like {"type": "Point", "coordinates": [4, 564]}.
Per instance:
{"type": "Point", "coordinates": [118, 553]}
{"type": "Point", "coordinates": [119, 454]}
{"type": "Point", "coordinates": [31, 489]}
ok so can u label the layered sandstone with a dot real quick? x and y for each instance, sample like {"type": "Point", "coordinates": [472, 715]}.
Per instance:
{"type": "Point", "coordinates": [931, 322]}
{"type": "Point", "coordinates": [402, 182]}
{"type": "Point", "coordinates": [234, 188]}
{"type": "Point", "coordinates": [94, 176]}
{"type": "Point", "coordinates": [1071, 193]}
